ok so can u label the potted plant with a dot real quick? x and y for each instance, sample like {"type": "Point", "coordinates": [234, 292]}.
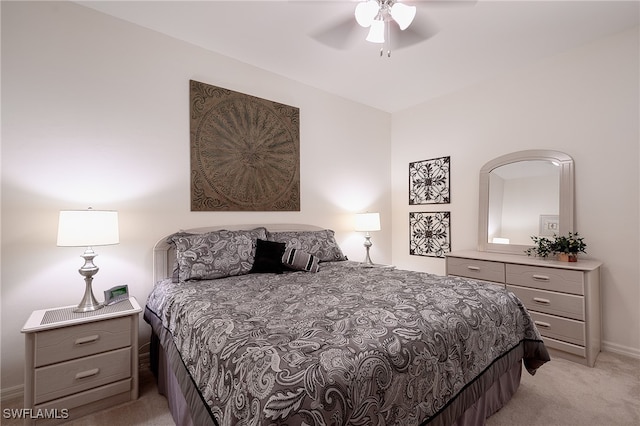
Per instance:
{"type": "Point", "coordinates": [568, 247]}
{"type": "Point", "coordinates": [541, 248]}
{"type": "Point", "coordinates": [565, 247]}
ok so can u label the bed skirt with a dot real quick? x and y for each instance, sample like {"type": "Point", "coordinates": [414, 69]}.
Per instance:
{"type": "Point", "coordinates": [477, 401]}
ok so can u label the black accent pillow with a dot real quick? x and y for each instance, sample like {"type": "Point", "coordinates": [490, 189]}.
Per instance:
{"type": "Point", "coordinates": [268, 258]}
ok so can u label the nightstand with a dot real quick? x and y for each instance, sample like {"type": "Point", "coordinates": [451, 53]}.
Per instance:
{"type": "Point", "coordinates": [78, 363]}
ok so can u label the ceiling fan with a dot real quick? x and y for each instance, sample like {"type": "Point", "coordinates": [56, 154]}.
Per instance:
{"type": "Point", "coordinates": [377, 14]}
{"type": "Point", "coordinates": [391, 23]}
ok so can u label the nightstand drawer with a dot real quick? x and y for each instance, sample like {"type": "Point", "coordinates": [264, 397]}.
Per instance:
{"type": "Point", "coordinates": [564, 329]}
{"type": "Point", "coordinates": [549, 302]}
{"type": "Point", "coordinates": [105, 396]}
{"type": "Point", "coordinates": [70, 377]}
{"type": "Point", "coordinates": [564, 280]}
{"type": "Point", "coordinates": [477, 269]}
{"type": "Point", "coordinates": [81, 340]}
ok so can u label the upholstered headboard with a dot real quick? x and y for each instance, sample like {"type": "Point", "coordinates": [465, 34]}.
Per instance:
{"type": "Point", "coordinates": [164, 254]}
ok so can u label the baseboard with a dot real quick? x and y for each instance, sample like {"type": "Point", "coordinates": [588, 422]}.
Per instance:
{"type": "Point", "coordinates": [18, 391]}
{"type": "Point", "coordinates": [620, 350]}
{"type": "Point", "coordinates": [11, 393]}
{"type": "Point", "coordinates": [144, 360]}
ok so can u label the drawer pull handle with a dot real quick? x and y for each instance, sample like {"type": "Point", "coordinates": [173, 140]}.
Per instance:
{"type": "Point", "coordinates": [541, 277]}
{"type": "Point", "coordinates": [473, 268]}
{"type": "Point", "coordinates": [88, 373]}
{"type": "Point", "coordinates": [541, 300]}
{"type": "Point", "coordinates": [542, 324]}
{"type": "Point", "coordinates": [88, 339]}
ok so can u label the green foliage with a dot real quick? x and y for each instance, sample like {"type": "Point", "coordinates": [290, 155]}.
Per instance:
{"type": "Point", "coordinates": [543, 247]}
{"type": "Point", "coordinates": [573, 244]}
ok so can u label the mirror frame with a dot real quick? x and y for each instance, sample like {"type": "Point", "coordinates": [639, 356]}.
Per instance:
{"type": "Point", "coordinates": [566, 202]}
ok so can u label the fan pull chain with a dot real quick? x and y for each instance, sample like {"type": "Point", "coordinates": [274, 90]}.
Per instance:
{"type": "Point", "coordinates": [387, 41]}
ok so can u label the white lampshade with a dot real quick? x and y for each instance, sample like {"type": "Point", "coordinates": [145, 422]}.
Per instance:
{"type": "Point", "coordinates": [403, 14]}
{"type": "Point", "coordinates": [87, 228]}
{"type": "Point", "coordinates": [367, 222]}
{"type": "Point", "coordinates": [366, 12]}
{"type": "Point", "coordinates": [376, 32]}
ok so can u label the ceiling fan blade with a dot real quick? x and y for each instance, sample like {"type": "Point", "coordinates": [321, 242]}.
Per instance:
{"type": "Point", "coordinates": [441, 3]}
{"type": "Point", "coordinates": [416, 33]}
{"type": "Point", "coordinates": [341, 35]}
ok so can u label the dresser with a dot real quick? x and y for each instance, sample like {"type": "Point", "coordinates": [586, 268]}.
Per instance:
{"type": "Point", "coordinates": [78, 363]}
{"type": "Point", "coordinates": [563, 298]}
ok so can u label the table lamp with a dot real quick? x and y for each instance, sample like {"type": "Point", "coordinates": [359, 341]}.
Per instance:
{"type": "Point", "coordinates": [367, 222]}
{"type": "Point", "coordinates": [88, 228]}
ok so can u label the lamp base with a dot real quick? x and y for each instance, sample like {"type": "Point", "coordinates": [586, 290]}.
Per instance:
{"type": "Point", "coordinates": [367, 244]}
{"type": "Point", "coordinates": [88, 270]}
{"type": "Point", "coordinates": [88, 307]}
{"type": "Point", "coordinates": [89, 302]}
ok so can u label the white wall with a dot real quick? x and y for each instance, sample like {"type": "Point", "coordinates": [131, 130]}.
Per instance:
{"type": "Point", "coordinates": [585, 103]}
{"type": "Point", "coordinates": [78, 84]}
{"type": "Point", "coordinates": [95, 112]}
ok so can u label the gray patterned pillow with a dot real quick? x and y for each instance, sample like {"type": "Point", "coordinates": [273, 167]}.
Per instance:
{"type": "Point", "coordinates": [321, 244]}
{"type": "Point", "coordinates": [171, 240]}
{"type": "Point", "coordinates": [217, 254]}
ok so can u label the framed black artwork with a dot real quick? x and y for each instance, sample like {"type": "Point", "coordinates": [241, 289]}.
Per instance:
{"type": "Point", "coordinates": [429, 181]}
{"type": "Point", "coordinates": [429, 233]}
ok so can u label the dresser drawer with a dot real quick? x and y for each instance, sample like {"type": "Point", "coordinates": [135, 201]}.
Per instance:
{"type": "Point", "coordinates": [579, 351]}
{"type": "Point", "coordinates": [563, 280]}
{"type": "Point", "coordinates": [67, 343]}
{"type": "Point", "coordinates": [549, 302]}
{"type": "Point", "coordinates": [478, 269]}
{"type": "Point", "coordinates": [564, 329]}
{"type": "Point", "coordinates": [66, 378]}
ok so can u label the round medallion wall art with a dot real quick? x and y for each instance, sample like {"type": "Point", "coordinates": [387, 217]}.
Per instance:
{"type": "Point", "coordinates": [245, 152]}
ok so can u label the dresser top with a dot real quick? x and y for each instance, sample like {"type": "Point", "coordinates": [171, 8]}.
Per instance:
{"type": "Point", "coordinates": [47, 319]}
{"type": "Point", "coordinates": [580, 265]}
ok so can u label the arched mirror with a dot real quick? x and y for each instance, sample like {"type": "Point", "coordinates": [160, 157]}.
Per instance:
{"type": "Point", "coordinates": [523, 194]}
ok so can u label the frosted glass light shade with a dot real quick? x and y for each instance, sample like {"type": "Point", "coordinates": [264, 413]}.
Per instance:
{"type": "Point", "coordinates": [87, 228]}
{"type": "Point", "coordinates": [376, 32]}
{"type": "Point", "coordinates": [367, 222]}
{"type": "Point", "coordinates": [366, 12]}
{"type": "Point", "coordinates": [403, 14]}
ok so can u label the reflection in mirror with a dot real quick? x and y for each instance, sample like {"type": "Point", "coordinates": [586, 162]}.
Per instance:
{"type": "Point", "coordinates": [523, 194]}
{"type": "Point", "coordinates": [520, 194]}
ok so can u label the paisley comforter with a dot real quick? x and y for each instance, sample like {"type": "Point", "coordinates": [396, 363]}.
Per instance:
{"type": "Point", "coordinates": [346, 345]}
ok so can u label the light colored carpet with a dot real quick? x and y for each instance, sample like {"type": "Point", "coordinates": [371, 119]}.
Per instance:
{"type": "Point", "coordinates": [562, 393]}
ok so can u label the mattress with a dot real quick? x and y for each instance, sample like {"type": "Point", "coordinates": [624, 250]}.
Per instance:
{"type": "Point", "coordinates": [345, 345]}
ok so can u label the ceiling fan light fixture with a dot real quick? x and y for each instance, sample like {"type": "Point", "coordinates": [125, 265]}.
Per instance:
{"type": "Point", "coordinates": [366, 12]}
{"type": "Point", "coordinates": [376, 32]}
{"type": "Point", "coordinates": [403, 14]}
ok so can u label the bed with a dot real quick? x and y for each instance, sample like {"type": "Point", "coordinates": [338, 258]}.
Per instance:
{"type": "Point", "coordinates": [274, 326]}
